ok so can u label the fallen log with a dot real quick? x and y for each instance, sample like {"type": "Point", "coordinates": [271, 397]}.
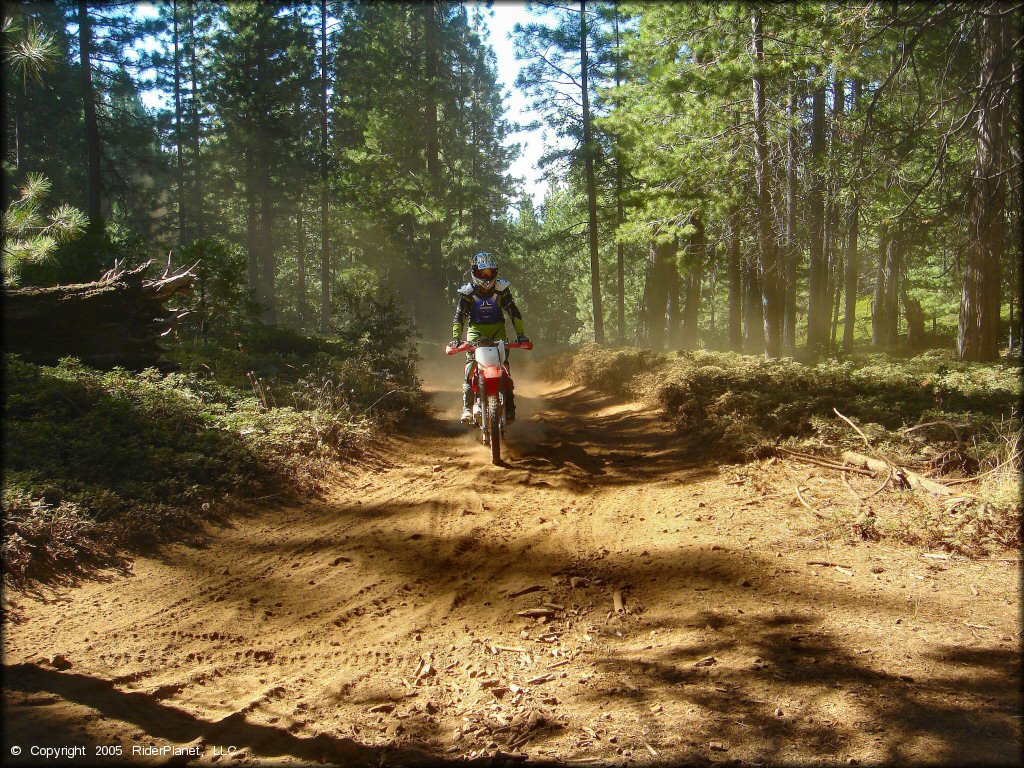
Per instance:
{"type": "Point", "coordinates": [117, 320]}
{"type": "Point", "coordinates": [913, 479]}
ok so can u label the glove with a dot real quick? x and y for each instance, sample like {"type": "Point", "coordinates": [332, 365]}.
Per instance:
{"type": "Point", "coordinates": [522, 338]}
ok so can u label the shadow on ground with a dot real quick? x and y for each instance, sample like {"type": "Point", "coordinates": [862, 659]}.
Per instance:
{"type": "Point", "coordinates": [579, 440]}
{"type": "Point", "coordinates": [966, 711]}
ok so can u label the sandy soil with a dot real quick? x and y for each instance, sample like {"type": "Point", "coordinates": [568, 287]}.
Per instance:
{"type": "Point", "coordinates": [383, 625]}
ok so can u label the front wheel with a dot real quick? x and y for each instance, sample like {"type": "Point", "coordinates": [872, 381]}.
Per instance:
{"type": "Point", "coordinates": [494, 427]}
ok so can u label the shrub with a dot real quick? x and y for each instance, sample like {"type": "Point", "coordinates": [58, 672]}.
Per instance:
{"type": "Point", "coordinates": [930, 413]}
{"type": "Point", "coordinates": [135, 459]}
{"type": "Point", "coordinates": [40, 535]}
{"type": "Point", "coordinates": [740, 404]}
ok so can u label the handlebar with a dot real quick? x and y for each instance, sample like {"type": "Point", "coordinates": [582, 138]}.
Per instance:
{"type": "Point", "coordinates": [469, 347]}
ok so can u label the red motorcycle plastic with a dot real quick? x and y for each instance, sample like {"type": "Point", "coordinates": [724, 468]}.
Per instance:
{"type": "Point", "coordinates": [490, 381]}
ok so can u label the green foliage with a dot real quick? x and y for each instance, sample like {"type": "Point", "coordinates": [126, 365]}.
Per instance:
{"type": "Point", "coordinates": [222, 298]}
{"type": "Point", "coordinates": [390, 200]}
{"type": "Point", "coordinates": [606, 370]}
{"type": "Point", "coordinates": [929, 413]}
{"type": "Point", "coordinates": [28, 48]}
{"type": "Point", "coordinates": [37, 535]}
{"type": "Point", "coordinates": [740, 405]}
{"type": "Point", "coordinates": [547, 268]}
{"type": "Point", "coordinates": [369, 317]}
{"type": "Point", "coordinates": [29, 236]}
{"type": "Point", "coordinates": [680, 128]}
{"type": "Point", "coordinates": [42, 93]}
{"type": "Point", "coordinates": [133, 456]}
{"type": "Point", "coordinates": [283, 368]}
{"type": "Point", "coordinates": [96, 461]}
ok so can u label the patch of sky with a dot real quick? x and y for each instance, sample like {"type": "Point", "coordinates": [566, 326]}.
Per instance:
{"type": "Point", "coordinates": [533, 138]}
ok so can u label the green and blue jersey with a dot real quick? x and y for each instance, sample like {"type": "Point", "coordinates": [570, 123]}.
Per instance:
{"type": "Point", "coordinates": [485, 313]}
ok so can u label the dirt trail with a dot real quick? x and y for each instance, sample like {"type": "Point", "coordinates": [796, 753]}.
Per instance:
{"type": "Point", "coordinates": [304, 635]}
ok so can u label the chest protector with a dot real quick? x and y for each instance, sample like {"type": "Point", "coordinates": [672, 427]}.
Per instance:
{"type": "Point", "coordinates": [485, 309]}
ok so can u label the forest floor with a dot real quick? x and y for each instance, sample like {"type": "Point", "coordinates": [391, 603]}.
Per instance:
{"type": "Point", "coordinates": [382, 625]}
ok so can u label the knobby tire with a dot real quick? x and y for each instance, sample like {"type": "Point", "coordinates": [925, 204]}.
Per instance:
{"type": "Point", "coordinates": [494, 426]}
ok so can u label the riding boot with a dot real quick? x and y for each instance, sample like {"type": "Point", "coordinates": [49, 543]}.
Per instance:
{"type": "Point", "coordinates": [510, 405]}
{"type": "Point", "coordinates": [467, 403]}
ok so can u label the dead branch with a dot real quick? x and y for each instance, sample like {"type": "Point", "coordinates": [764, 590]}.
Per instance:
{"type": "Point", "coordinates": [880, 488]}
{"type": "Point", "coordinates": [862, 435]}
{"type": "Point", "coordinates": [954, 428]}
{"type": "Point", "coordinates": [803, 501]}
{"type": "Point", "coordinates": [824, 462]}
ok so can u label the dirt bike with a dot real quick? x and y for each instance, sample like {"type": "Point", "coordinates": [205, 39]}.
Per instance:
{"type": "Point", "coordinates": [490, 379]}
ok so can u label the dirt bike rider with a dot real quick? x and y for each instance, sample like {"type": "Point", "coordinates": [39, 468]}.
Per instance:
{"type": "Point", "coordinates": [483, 302]}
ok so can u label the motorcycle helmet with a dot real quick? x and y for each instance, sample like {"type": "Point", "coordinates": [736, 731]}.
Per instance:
{"type": "Point", "coordinates": [485, 271]}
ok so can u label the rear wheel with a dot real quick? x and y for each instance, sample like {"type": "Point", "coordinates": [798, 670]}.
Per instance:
{"type": "Point", "coordinates": [494, 428]}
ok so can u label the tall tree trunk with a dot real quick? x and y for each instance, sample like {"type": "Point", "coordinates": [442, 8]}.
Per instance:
{"type": "Point", "coordinates": [694, 274]}
{"type": "Point", "coordinates": [978, 330]}
{"type": "Point", "coordinates": [179, 162]}
{"type": "Point", "coordinates": [894, 271]}
{"type": "Point", "coordinates": [712, 288]}
{"type": "Point", "coordinates": [252, 228]}
{"type": "Point", "coordinates": [885, 313]}
{"type": "Point", "coordinates": [619, 259]}
{"type": "Point", "coordinates": [93, 147]}
{"type": "Point", "coordinates": [836, 296]}
{"type": "Point", "coordinates": [878, 323]}
{"type": "Point", "coordinates": [460, 119]}
{"type": "Point", "coordinates": [834, 237]}
{"type": "Point", "coordinates": [20, 135]}
{"type": "Point", "coordinates": [735, 282]}
{"type": "Point", "coordinates": [1015, 277]}
{"type": "Point", "coordinates": [753, 312]}
{"type": "Point", "coordinates": [851, 263]}
{"type": "Point", "coordinates": [789, 311]}
{"type": "Point", "coordinates": [1012, 341]}
{"type": "Point", "coordinates": [674, 305]}
{"type": "Point", "coordinates": [1015, 206]}
{"type": "Point", "coordinates": [915, 320]}
{"type": "Point", "coordinates": [301, 266]}
{"type": "Point", "coordinates": [325, 259]}
{"type": "Point", "coordinates": [198, 213]}
{"type": "Point", "coordinates": [431, 73]}
{"type": "Point", "coordinates": [263, 152]}
{"type": "Point", "coordinates": [818, 304]}
{"type": "Point", "coordinates": [475, 231]}
{"type": "Point", "coordinates": [268, 262]}
{"type": "Point", "coordinates": [196, 181]}
{"type": "Point", "coordinates": [588, 154]}
{"type": "Point", "coordinates": [654, 312]}
{"type": "Point", "coordinates": [643, 313]}
{"type": "Point", "coordinates": [768, 266]}
{"type": "Point", "coordinates": [852, 270]}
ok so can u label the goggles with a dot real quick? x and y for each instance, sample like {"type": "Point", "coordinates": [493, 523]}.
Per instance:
{"type": "Point", "coordinates": [487, 274]}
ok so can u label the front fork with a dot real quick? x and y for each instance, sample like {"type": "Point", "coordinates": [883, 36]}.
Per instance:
{"type": "Point", "coordinates": [480, 403]}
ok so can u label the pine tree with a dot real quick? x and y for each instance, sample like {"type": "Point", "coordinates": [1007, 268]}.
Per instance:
{"type": "Point", "coordinates": [253, 92]}
{"type": "Point", "coordinates": [556, 55]}
{"type": "Point", "coordinates": [978, 331]}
